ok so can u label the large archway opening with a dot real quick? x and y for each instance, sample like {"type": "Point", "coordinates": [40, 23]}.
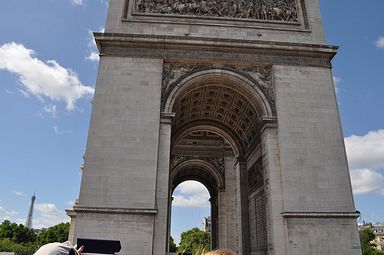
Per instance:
{"type": "Point", "coordinates": [190, 209]}
{"type": "Point", "coordinates": [216, 140]}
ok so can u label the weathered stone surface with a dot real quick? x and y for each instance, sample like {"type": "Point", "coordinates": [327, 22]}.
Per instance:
{"type": "Point", "coordinates": [235, 94]}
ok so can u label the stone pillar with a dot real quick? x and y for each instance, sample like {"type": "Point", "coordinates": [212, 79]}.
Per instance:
{"type": "Point", "coordinates": [169, 225]}
{"type": "Point", "coordinates": [276, 230]}
{"type": "Point", "coordinates": [71, 234]}
{"type": "Point", "coordinates": [160, 245]}
{"type": "Point", "coordinates": [243, 215]}
{"type": "Point", "coordinates": [231, 205]}
{"type": "Point", "coordinates": [222, 235]}
{"type": "Point", "coordinates": [214, 221]}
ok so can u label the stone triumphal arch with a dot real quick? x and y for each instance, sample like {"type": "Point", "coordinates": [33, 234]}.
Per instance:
{"type": "Point", "coordinates": [237, 95]}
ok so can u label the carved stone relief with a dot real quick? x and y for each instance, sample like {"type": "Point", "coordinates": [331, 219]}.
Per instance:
{"type": "Point", "coordinates": [276, 10]}
{"type": "Point", "coordinates": [261, 76]}
{"type": "Point", "coordinates": [217, 162]}
{"type": "Point", "coordinates": [255, 176]}
{"type": "Point", "coordinates": [172, 73]}
{"type": "Point", "coordinates": [258, 212]}
{"type": "Point", "coordinates": [261, 225]}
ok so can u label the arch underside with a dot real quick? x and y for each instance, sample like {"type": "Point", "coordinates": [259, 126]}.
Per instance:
{"type": "Point", "coordinates": [230, 104]}
{"type": "Point", "coordinates": [218, 119]}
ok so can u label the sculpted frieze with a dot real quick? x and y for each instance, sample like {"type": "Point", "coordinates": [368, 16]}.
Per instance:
{"type": "Point", "coordinates": [275, 10]}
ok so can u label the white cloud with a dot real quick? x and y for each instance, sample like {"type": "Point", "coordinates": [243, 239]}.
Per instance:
{"type": "Point", "coordinates": [93, 56]}
{"type": "Point", "coordinates": [93, 51]}
{"type": "Point", "coordinates": [193, 187]}
{"type": "Point", "coordinates": [105, 2]}
{"type": "Point", "coordinates": [366, 158]}
{"type": "Point", "coordinates": [51, 109]}
{"type": "Point", "coordinates": [380, 42]}
{"type": "Point", "coordinates": [336, 83]}
{"type": "Point", "coordinates": [366, 151]}
{"type": "Point", "coordinates": [47, 215]}
{"type": "Point", "coordinates": [77, 2]}
{"type": "Point", "coordinates": [193, 201]}
{"type": "Point", "coordinates": [18, 193]}
{"type": "Point", "coordinates": [43, 80]}
{"type": "Point", "coordinates": [46, 208]}
{"type": "Point", "coordinates": [60, 132]}
{"type": "Point", "coordinates": [366, 181]}
{"type": "Point", "coordinates": [191, 194]}
{"type": "Point", "coordinates": [6, 215]}
{"type": "Point", "coordinates": [25, 93]}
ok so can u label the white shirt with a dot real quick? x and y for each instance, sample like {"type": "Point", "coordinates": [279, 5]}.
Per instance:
{"type": "Point", "coordinates": [55, 249]}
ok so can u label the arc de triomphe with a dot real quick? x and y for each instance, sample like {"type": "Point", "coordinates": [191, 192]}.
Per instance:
{"type": "Point", "coordinates": [236, 94]}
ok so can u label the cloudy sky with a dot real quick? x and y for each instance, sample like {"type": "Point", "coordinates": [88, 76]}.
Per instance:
{"type": "Point", "coordinates": [48, 68]}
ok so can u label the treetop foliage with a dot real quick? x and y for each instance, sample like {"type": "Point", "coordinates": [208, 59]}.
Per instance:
{"type": "Point", "coordinates": [16, 233]}
{"type": "Point", "coordinates": [194, 241]}
{"type": "Point", "coordinates": [367, 248]}
{"type": "Point", "coordinates": [23, 241]}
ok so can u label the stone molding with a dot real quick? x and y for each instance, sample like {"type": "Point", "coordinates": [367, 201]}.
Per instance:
{"type": "Point", "coordinates": [321, 214]}
{"type": "Point", "coordinates": [166, 117]}
{"type": "Point", "coordinates": [109, 210]}
{"type": "Point", "coordinates": [216, 49]}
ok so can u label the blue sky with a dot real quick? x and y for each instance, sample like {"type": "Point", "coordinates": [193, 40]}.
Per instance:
{"type": "Point", "coordinates": [48, 68]}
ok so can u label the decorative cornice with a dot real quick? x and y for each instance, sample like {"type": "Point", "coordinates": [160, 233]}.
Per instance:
{"type": "Point", "coordinates": [216, 49]}
{"type": "Point", "coordinates": [109, 210]}
{"type": "Point", "coordinates": [321, 214]}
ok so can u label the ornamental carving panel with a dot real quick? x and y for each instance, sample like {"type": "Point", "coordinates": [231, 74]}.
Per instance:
{"type": "Point", "coordinates": [216, 162]}
{"type": "Point", "coordinates": [273, 10]}
{"type": "Point", "coordinates": [255, 176]}
{"type": "Point", "coordinates": [261, 76]}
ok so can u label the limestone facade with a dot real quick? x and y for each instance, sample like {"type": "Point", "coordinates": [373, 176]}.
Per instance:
{"type": "Point", "coordinates": [238, 96]}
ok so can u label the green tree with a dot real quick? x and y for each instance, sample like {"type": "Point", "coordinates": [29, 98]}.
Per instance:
{"type": "Point", "coordinates": [16, 233]}
{"type": "Point", "coordinates": [6, 245]}
{"type": "Point", "coordinates": [17, 238]}
{"type": "Point", "coordinates": [172, 245]}
{"type": "Point", "coordinates": [195, 241]}
{"type": "Point", "coordinates": [366, 236]}
{"type": "Point", "coordinates": [57, 233]}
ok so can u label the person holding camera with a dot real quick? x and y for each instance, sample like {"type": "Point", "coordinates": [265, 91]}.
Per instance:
{"type": "Point", "coordinates": [65, 248]}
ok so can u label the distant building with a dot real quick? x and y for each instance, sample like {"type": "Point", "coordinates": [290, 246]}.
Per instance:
{"type": "Point", "coordinates": [378, 230]}
{"type": "Point", "coordinates": [207, 224]}
{"type": "Point", "coordinates": [38, 231]}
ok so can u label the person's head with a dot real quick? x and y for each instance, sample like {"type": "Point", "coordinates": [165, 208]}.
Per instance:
{"type": "Point", "coordinates": [221, 252]}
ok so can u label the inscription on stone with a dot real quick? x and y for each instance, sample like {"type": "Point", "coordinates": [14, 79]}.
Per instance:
{"type": "Point", "coordinates": [276, 10]}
